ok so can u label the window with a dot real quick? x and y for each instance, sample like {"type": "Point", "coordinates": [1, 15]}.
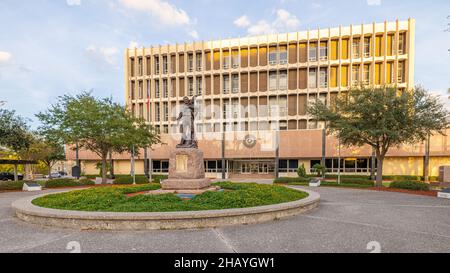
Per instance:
{"type": "Point", "coordinates": [283, 55]}
{"type": "Point", "coordinates": [282, 104]}
{"type": "Point", "coordinates": [226, 59]}
{"type": "Point", "coordinates": [283, 80]}
{"type": "Point", "coordinates": [132, 67]}
{"type": "Point", "coordinates": [190, 62]}
{"type": "Point", "coordinates": [272, 80]}
{"type": "Point", "coordinates": [226, 84]}
{"type": "Point", "coordinates": [273, 55]}
{"type": "Point", "coordinates": [323, 51]}
{"type": "Point", "coordinates": [165, 89]}
{"type": "Point", "coordinates": [198, 85]}
{"type": "Point", "coordinates": [390, 44]}
{"type": "Point", "coordinates": [190, 86]}
{"type": "Point", "coordinates": [312, 78]}
{"type": "Point", "coordinates": [389, 72]}
{"type": "Point", "coordinates": [226, 109]}
{"type": "Point", "coordinates": [401, 43]}
{"type": "Point", "coordinates": [235, 83]}
{"type": "Point", "coordinates": [401, 72]}
{"type": "Point", "coordinates": [199, 61]}
{"type": "Point", "coordinates": [355, 75]}
{"type": "Point", "coordinates": [235, 108]}
{"type": "Point", "coordinates": [323, 78]}
{"type": "Point", "coordinates": [132, 86]}
{"type": "Point", "coordinates": [367, 74]}
{"type": "Point", "coordinates": [140, 91]}
{"type": "Point", "coordinates": [157, 91]}
{"type": "Point", "coordinates": [356, 48]}
{"type": "Point", "coordinates": [156, 65]}
{"type": "Point", "coordinates": [157, 112]}
{"type": "Point", "coordinates": [273, 107]}
{"type": "Point", "coordinates": [141, 110]}
{"type": "Point", "coordinates": [367, 51]}
{"type": "Point", "coordinates": [312, 52]}
{"type": "Point", "coordinates": [235, 58]}
{"type": "Point", "coordinates": [140, 67]}
{"type": "Point", "coordinates": [165, 111]}
{"type": "Point", "coordinates": [148, 89]}
{"type": "Point", "coordinates": [133, 110]}
{"type": "Point", "coordinates": [165, 65]}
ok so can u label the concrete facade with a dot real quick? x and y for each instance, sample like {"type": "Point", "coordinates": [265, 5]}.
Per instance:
{"type": "Point", "coordinates": [254, 92]}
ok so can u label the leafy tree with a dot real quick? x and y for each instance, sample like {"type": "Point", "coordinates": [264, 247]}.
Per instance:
{"type": "Point", "coordinates": [14, 131]}
{"type": "Point", "coordinates": [45, 150]}
{"type": "Point", "coordinates": [382, 117]}
{"type": "Point", "coordinates": [98, 125]}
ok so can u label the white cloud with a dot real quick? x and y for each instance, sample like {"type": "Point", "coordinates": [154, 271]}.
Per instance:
{"type": "Point", "coordinates": [373, 2]}
{"type": "Point", "coordinates": [133, 44]}
{"type": "Point", "coordinates": [73, 2]}
{"type": "Point", "coordinates": [242, 21]}
{"type": "Point", "coordinates": [165, 12]}
{"type": "Point", "coordinates": [5, 56]}
{"type": "Point", "coordinates": [284, 22]}
{"type": "Point", "coordinates": [193, 34]}
{"type": "Point", "coordinates": [102, 54]}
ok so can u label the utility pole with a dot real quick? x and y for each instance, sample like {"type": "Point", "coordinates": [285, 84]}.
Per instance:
{"type": "Point", "coordinates": [324, 143]}
{"type": "Point", "coordinates": [133, 173]}
{"type": "Point", "coordinates": [426, 160]}
{"type": "Point", "coordinates": [339, 161]}
{"type": "Point", "coordinates": [223, 153]}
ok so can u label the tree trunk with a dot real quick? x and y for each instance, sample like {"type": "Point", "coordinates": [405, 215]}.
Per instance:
{"type": "Point", "coordinates": [379, 180]}
{"type": "Point", "coordinates": [104, 158]}
{"type": "Point", "coordinates": [49, 172]}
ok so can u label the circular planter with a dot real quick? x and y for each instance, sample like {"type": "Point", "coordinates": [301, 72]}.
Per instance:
{"type": "Point", "coordinates": [85, 220]}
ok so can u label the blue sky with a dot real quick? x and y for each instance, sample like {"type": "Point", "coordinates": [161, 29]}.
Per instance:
{"type": "Point", "coordinates": [53, 47]}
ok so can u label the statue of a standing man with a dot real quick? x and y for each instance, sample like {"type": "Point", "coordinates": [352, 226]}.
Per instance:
{"type": "Point", "coordinates": [187, 117]}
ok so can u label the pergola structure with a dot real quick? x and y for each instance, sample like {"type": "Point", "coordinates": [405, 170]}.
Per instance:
{"type": "Point", "coordinates": [15, 163]}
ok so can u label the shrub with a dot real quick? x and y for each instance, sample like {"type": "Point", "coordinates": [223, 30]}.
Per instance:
{"type": "Point", "coordinates": [58, 183]}
{"type": "Point", "coordinates": [128, 180]}
{"type": "Point", "coordinates": [360, 176]}
{"type": "Point", "coordinates": [410, 185]}
{"type": "Point", "coordinates": [357, 181]}
{"type": "Point", "coordinates": [301, 171]}
{"type": "Point", "coordinates": [157, 178]}
{"type": "Point", "coordinates": [11, 185]}
{"type": "Point", "coordinates": [292, 180]}
{"type": "Point", "coordinates": [319, 169]}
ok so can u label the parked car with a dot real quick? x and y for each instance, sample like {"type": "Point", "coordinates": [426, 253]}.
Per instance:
{"type": "Point", "coordinates": [9, 176]}
{"type": "Point", "coordinates": [54, 175]}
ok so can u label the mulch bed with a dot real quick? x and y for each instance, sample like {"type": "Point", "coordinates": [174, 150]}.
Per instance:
{"type": "Point", "coordinates": [425, 193]}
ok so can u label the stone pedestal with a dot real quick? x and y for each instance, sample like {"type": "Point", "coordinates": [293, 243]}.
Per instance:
{"type": "Point", "coordinates": [186, 171]}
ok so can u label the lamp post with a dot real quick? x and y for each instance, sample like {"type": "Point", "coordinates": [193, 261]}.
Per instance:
{"type": "Point", "coordinates": [133, 173]}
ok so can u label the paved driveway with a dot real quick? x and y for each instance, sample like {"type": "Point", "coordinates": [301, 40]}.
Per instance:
{"type": "Point", "coordinates": [346, 221]}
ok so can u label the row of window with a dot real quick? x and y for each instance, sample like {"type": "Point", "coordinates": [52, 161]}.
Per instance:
{"type": "Point", "coordinates": [361, 47]}
{"type": "Point", "coordinates": [277, 80]}
{"type": "Point", "coordinates": [333, 165]}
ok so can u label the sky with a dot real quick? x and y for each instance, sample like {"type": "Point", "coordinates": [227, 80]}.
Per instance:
{"type": "Point", "coordinates": [50, 48]}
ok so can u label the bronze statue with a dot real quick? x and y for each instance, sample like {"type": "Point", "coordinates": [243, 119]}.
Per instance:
{"type": "Point", "coordinates": [187, 117]}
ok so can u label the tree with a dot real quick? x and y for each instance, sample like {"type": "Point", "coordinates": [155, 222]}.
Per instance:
{"type": "Point", "coordinates": [45, 150]}
{"type": "Point", "coordinates": [382, 117]}
{"type": "Point", "coordinates": [98, 125]}
{"type": "Point", "coordinates": [14, 131]}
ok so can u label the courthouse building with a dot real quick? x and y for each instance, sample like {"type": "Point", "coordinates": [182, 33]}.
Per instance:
{"type": "Point", "coordinates": [253, 92]}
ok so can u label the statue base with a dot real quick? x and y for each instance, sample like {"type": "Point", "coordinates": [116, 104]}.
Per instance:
{"type": "Point", "coordinates": [186, 171]}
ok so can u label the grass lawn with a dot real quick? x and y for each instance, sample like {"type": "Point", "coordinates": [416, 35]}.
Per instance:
{"type": "Point", "coordinates": [114, 199]}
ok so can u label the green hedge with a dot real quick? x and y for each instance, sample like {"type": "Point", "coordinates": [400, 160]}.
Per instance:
{"type": "Point", "coordinates": [410, 185]}
{"type": "Point", "coordinates": [158, 178]}
{"type": "Point", "coordinates": [58, 183]}
{"type": "Point", "coordinates": [360, 176]}
{"type": "Point", "coordinates": [128, 180]}
{"type": "Point", "coordinates": [11, 185]}
{"type": "Point", "coordinates": [357, 181]}
{"type": "Point", "coordinates": [291, 180]}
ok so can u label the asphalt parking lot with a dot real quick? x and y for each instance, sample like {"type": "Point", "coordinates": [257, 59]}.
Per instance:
{"type": "Point", "coordinates": [347, 220]}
